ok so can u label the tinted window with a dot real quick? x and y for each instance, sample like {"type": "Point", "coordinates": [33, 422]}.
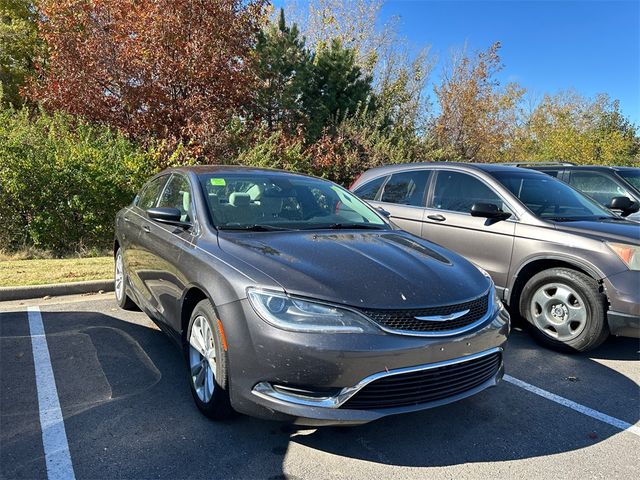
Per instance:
{"type": "Point", "coordinates": [177, 194]}
{"type": "Point", "coordinates": [458, 192]}
{"type": "Point", "coordinates": [631, 176]}
{"type": "Point", "coordinates": [149, 195]}
{"type": "Point", "coordinates": [406, 188]}
{"type": "Point", "coordinates": [242, 200]}
{"type": "Point", "coordinates": [549, 198]}
{"type": "Point", "coordinates": [599, 187]}
{"type": "Point", "coordinates": [369, 191]}
{"type": "Point", "coordinates": [553, 173]}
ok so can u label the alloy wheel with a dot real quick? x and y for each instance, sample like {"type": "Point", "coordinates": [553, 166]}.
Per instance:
{"type": "Point", "coordinates": [202, 358]}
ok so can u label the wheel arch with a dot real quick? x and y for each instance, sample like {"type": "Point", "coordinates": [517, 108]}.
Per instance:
{"type": "Point", "coordinates": [538, 264]}
{"type": "Point", "coordinates": [193, 295]}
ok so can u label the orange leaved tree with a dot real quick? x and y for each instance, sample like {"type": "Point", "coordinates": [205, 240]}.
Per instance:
{"type": "Point", "coordinates": [169, 69]}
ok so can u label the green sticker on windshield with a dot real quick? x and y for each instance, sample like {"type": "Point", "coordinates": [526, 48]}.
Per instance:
{"type": "Point", "coordinates": [217, 182]}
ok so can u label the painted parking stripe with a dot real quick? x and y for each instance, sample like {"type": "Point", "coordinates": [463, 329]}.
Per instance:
{"type": "Point", "coordinates": [54, 436]}
{"type": "Point", "coordinates": [589, 412]}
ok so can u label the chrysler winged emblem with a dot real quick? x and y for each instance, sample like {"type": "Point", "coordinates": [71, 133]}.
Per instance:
{"type": "Point", "coordinates": [443, 318]}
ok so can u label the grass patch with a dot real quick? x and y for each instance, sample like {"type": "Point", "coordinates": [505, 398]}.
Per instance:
{"type": "Point", "coordinates": [17, 272]}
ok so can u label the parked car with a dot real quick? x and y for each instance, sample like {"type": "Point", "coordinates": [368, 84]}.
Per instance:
{"type": "Point", "coordinates": [567, 265]}
{"type": "Point", "coordinates": [617, 188]}
{"type": "Point", "coordinates": [293, 299]}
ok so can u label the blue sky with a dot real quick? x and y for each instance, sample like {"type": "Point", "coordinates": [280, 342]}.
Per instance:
{"type": "Point", "coordinates": [547, 45]}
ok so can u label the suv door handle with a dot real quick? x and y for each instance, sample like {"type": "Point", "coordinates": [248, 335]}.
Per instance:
{"type": "Point", "coordinates": [146, 228]}
{"type": "Point", "coordinates": [437, 218]}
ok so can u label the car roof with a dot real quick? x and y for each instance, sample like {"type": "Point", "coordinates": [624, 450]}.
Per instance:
{"type": "Point", "coordinates": [601, 168]}
{"type": "Point", "coordinates": [231, 169]}
{"type": "Point", "coordinates": [485, 167]}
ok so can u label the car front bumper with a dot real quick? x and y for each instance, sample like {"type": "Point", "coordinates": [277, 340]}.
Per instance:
{"type": "Point", "coordinates": [309, 378]}
{"type": "Point", "coordinates": [623, 292]}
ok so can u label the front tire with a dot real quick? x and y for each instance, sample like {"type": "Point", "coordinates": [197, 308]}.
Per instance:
{"type": "Point", "coordinates": [207, 363]}
{"type": "Point", "coordinates": [565, 309]}
{"type": "Point", "coordinates": [120, 281]}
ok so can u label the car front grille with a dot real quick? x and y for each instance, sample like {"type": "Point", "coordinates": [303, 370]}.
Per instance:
{"type": "Point", "coordinates": [406, 321]}
{"type": "Point", "coordinates": [425, 386]}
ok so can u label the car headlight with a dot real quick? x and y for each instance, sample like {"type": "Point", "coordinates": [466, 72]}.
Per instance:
{"type": "Point", "coordinates": [629, 254]}
{"type": "Point", "coordinates": [298, 315]}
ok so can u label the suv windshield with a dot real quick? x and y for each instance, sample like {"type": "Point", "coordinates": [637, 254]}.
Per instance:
{"type": "Point", "coordinates": [631, 176]}
{"type": "Point", "coordinates": [264, 202]}
{"type": "Point", "coordinates": [550, 198]}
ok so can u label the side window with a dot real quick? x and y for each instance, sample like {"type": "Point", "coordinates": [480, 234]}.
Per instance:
{"type": "Point", "coordinates": [457, 192]}
{"type": "Point", "coordinates": [369, 190]}
{"type": "Point", "coordinates": [406, 188]}
{"type": "Point", "coordinates": [177, 194]}
{"type": "Point", "coordinates": [149, 195]}
{"type": "Point", "coordinates": [599, 187]}
{"type": "Point", "coordinates": [553, 173]}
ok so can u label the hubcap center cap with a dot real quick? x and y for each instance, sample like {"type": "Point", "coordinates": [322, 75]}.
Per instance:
{"type": "Point", "coordinates": [559, 312]}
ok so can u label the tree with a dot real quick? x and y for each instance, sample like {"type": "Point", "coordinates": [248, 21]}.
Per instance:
{"type": "Point", "coordinates": [570, 127]}
{"type": "Point", "coordinates": [282, 66]}
{"type": "Point", "coordinates": [336, 88]}
{"type": "Point", "coordinates": [173, 69]}
{"type": "Point", "coordinates": [19, 45]}
{"type": "Point", "coordinates": [476, 115]}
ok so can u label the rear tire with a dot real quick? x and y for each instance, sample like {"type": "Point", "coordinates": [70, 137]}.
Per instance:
{"type": "Point", "coordinates": [207, 363]}
{"type": "Point", "coordinates": [120, 282]}
{"type": "Point", "coordinates": [565, 310]}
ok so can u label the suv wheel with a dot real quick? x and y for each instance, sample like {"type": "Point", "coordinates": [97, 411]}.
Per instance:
{"type": "Point", "coordinates": [207, 363]}
{"type": "Point", "coordinates": [120, 279]}
{"type": "Point", "coordinates": [566, 309]}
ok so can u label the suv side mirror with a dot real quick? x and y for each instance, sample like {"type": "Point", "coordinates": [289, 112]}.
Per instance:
{"type": "Point", "coordinates": [624, 204]}
{"type": "Point", "coordinates": [383, 212]}
{"type": "Point", "coordinates": [488, 210]}
{"type": "Point", "coordinates": [167, 215]}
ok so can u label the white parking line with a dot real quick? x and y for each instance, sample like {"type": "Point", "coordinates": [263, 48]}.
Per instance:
{"type": "Point", "coordinates": [54, 436]}
{"type": "Point", "coordinates": [589, 412]}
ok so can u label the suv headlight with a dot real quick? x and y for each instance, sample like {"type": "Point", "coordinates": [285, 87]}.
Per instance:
{"type": "Point", "coordinates": [298, 315]}
{"type": "Point", "coordinates": [629, 254]}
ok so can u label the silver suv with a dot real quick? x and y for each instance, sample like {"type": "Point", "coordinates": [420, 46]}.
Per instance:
{"type": "Point", "coordinates": [570, 267]}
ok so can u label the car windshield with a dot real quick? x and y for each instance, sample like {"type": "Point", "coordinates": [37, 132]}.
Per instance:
{"type": "Point", "coordinates": [631, 176]}
{"type": "Point", "coordinates": [550, 198]}
{"type": "Point", "coordinates": [263, 202]}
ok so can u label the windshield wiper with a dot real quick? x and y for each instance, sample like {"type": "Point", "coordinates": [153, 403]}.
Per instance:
{"type": "Point", "coordinates": [564, 219]}
{"type": "Point", "coordinates": [617, 219]}
{"type": "Point", "coordinates": [255, 228]}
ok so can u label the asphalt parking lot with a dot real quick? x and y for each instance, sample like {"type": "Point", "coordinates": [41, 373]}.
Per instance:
{"type": "Point", "coordinates": [127, 413]}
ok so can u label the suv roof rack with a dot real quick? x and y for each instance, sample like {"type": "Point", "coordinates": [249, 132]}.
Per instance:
{"type": "Point", "coordinates": [538, 164]}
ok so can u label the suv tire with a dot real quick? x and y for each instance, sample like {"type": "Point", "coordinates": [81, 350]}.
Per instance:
{"type": "Point", "coordinates": [566, 310]}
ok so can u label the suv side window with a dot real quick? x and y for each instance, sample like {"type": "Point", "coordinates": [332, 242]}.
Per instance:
{"type": "Point", "coordinates": [406, 188]}
{"type": "Point", "coordinates": [149, 195]}
{"type": "Point", "coordinates": [457, 192]}
{"type": "Point", "coordinates": [369, 191]}
{"type": "Point", "coordinates": [599, 187]}
{"type": "Point", "coordinates": [177, 194]}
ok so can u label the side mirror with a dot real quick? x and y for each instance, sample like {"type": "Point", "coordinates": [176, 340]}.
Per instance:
{"type": "Point", "coordinates": [488, 210]}
{"type": "Point", "coordinates": [624, 204]}
{"type": "Point", "coordinates": [167, 215]}
{"type": "Point", "coordinates": [383, 212]}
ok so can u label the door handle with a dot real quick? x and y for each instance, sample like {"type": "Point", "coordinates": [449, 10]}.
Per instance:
{"type": "Point", "coordinates": [126, 219]}
{"type": "Point", "coordinates": [146, 228]}
{"type": "Point", "coordinates": [437, 218]}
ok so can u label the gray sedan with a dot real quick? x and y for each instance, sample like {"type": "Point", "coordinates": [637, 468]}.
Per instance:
{"type": "Point", "coordinates": [293, 299]}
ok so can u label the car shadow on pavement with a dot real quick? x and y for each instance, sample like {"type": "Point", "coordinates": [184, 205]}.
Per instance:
{"type": "Point", "coordinates": [128, 411]}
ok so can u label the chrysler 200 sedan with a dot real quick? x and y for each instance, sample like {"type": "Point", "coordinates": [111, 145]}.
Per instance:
{"type": "Point", "coordinates": [295, 300]}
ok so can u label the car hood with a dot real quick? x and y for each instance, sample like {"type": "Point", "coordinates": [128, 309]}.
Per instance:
{"type": "Point", "coordinates": [390, 269]}
{"type": "Point", "coordinates": [612, 230]}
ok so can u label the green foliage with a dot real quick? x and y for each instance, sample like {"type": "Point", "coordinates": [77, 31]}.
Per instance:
{"type": "Point", "coordinates": [19, 43]}
{"type": "Point", "coordinates": [62, 180]}
{"type": "Point", "coordinates": [573, 128]}
{"type": "Point", "coordinates": [305, 90]}
{"type": "Point", "coordinates": [282, 66]}
{"type": "Point", "coordinates": [336, 88]}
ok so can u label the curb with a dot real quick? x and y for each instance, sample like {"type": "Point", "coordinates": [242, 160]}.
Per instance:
{"type": "Point", "coordinates": [54, 289]}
